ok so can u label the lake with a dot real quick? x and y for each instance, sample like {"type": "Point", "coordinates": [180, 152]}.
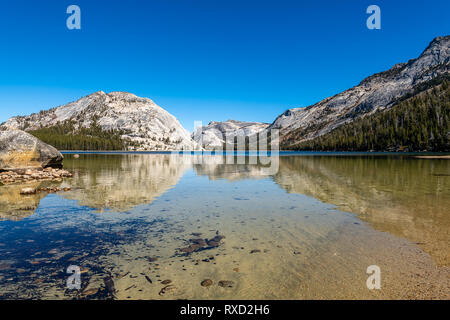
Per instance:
{"type": "Point", "coordinates": [156, 226]}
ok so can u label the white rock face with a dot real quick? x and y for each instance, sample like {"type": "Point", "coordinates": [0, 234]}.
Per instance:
{"type": "Point", "coordinates": [215, 134]}
{"type": "Point", "coordinates": [376, 92]}
{"type": "Point", "coordinates": [142, 121]}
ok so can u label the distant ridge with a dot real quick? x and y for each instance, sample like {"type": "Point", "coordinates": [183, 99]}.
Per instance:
{"type": "Point", "coordinates": [215, 134]}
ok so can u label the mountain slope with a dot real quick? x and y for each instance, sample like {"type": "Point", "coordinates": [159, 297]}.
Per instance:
{"type": "Point", "coordinates": [420, 123]}
{"type": "Point", "coordinates": [215, 134]}
{"type": "Point", "coordinates": [377, 92]}
{"type": "Point", "coordinates": [117, 120]}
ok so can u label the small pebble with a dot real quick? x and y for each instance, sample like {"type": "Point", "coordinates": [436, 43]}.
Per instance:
{"type": "Point", "coordinates": [206, 283]}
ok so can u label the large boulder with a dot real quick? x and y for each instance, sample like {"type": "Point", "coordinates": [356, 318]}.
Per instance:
{"type": "Point", "coordinates": [19, 149]}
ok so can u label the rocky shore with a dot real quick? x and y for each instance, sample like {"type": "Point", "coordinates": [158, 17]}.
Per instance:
{"type": "Point", "coordinates": [19, 150]}
{"type": "Point", "coordinates": [29, 175]}
{"type": "Point", "coordinates": [30, 191]}
{"type": "Point", "coordinates": [25, 159]}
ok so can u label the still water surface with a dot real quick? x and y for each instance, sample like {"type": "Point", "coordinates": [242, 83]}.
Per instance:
{"type": "Point", "coordinates": [307, 231]}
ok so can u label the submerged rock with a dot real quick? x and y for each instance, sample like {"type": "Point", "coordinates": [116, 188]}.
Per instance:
{"type": "Point", "coordinates": [28, 191]}
{"type": "Point", "coordinates": [202, 244]}
{"type": "Point", "coordinates": [191, 248]}
{"type": "Point", "coordinates": [215, 242]}
{"type": "Point", "coordinates": [167, 289]}
{"type": "Point", "coordinates": [206, 283]}
{"type": "Point", "coordinates": [109, 285]}
{"type": "Point", "coordinates": [90, 292]}
{"type": "Point", "coordinates": [226, 284]}
{"type": "Point", "coordinates": [19, 149]}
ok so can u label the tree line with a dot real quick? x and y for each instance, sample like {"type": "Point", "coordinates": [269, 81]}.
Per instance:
{"type": "Point", "coordinates": [65, 136]}
{"type": "Point", "coordinates": [419, 123]}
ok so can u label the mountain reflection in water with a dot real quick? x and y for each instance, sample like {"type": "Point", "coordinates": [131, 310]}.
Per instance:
{"type": "Point", "coordinates": [404, 196]}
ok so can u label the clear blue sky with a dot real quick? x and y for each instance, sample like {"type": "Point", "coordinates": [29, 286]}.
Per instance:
{"type": "Point", "coordinates": [205, 60]}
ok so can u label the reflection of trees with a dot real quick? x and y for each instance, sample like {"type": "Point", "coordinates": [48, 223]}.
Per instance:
{"type": "Point", "coordinates": [406, 197]}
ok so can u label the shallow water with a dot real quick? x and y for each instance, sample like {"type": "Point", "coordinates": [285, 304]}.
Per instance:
{"type": "Point", "coordinates": [309, 230]}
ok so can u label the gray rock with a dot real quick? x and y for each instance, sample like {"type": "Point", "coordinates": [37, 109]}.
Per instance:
{"type": "Point", "coordinates": [19, 149]}
{"type": "Point", "coordinates": [28, 191]}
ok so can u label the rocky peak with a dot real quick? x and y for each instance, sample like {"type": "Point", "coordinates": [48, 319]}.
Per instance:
{"type": "Point", "coordinates": [139, 120]}
{"type": "Point", "coordinates": [215, 133]}
{"type": "Point", "coordinates": [379, 91]}
{"type": "Point", "coordinates": [438, 45]}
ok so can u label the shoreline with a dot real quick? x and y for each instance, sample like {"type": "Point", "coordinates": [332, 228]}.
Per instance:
{"type": "Point", "coordinates": [433, 157]}
{"type": "Point", "coordinates": [24, 176]}
{"type": "Point", "coordinates": [419, 155]}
